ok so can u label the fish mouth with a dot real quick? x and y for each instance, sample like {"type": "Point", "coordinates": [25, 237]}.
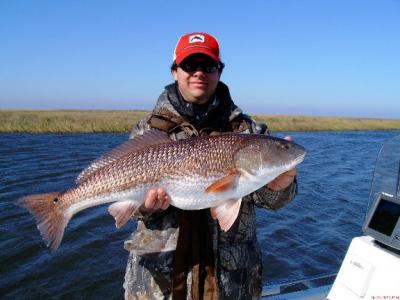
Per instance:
{"type": "Point", "coordinates": [298, 160]}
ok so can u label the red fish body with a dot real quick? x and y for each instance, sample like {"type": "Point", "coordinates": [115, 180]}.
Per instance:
{"type": "Point", "coordinates": [205, 172]}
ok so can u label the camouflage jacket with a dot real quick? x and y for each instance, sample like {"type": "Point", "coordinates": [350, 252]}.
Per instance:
{"type": "Point", "coordinates": [237, 253]}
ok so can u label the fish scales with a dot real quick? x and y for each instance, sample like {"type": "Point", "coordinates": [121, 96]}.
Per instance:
{"type": "Point", "coordinates": [203, 158]}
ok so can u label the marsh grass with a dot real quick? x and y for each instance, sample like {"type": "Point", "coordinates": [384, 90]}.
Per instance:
{"type": "Point", "coordinates": [68, 121]}
{"type": "Point", "coordinates": [90, 121]}
{"type": "Point", "coordinates": [310, 123]}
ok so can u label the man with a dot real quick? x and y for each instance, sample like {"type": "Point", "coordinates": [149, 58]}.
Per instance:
{"type": "Point", "coordinates": [184, 254]}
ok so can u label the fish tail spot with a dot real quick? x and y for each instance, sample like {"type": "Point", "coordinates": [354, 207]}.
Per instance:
{"type": "Point", "coordinates": [50, 218]}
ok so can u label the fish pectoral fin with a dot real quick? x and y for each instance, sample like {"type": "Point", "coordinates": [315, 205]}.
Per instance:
{"type": "Point", "coordinates": [226, 213]}
{"type": "Point", "coordinates": [122, 211]}
{"type": "Point", "coordinates": [224, 184]}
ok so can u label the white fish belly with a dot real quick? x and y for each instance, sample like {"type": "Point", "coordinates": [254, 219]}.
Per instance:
{"type": "Point", "coordinates": [189, 194]}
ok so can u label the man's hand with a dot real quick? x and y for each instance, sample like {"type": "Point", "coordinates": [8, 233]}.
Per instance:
{"type": "Point", "coordinates": [156, 199]}
{"type": "Point", "coordinates": [282, 181]}
{"type": "Point", "coordinates": [285, 179]}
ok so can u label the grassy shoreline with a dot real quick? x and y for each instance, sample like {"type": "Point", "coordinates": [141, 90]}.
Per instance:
{"type": "Point", "coordinates": [121, 121]}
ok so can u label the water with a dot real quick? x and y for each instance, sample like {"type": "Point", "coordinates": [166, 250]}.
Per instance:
{"type": "Point", "coordinates": [309, 237]}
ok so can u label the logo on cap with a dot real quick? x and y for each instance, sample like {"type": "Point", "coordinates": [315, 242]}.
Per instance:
{"type": "Point", "coordinates": [198, 38]}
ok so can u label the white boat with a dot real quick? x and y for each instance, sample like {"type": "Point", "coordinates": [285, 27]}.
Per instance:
{"type": "Point", "coordinates": [371, 264]}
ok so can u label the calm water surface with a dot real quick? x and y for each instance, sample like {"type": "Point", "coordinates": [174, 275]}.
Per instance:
{"type": "Point", "coordinates": [307, 238]}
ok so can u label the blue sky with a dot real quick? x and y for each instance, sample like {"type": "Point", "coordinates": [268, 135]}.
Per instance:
{"type": "Point", "coordinates": [334, 58]}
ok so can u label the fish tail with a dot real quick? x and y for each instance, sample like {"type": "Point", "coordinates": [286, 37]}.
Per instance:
{"type": "Point", "coordinates": [50, 217]}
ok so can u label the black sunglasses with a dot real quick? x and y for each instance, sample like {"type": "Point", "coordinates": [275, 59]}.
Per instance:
{"type": "Point", "coordinates": [191, 66]}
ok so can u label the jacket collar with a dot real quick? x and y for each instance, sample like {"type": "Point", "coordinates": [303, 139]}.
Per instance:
{"type": "Point", "coordinates": [199, 114]}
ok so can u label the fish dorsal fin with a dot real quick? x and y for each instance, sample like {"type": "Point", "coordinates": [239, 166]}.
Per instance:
{"type": "Point", "coordinates": [150, 138]}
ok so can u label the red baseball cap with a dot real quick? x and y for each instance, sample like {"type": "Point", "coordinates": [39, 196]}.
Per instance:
{"type": "Point", "coordinates": [196, 42]}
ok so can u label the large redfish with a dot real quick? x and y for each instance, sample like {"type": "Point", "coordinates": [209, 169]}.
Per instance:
{"type": "Point", "coordinates": [204, 172]}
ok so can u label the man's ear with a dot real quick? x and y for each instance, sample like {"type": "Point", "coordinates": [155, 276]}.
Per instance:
{"type": "Point", "coordinates": [175, 74]}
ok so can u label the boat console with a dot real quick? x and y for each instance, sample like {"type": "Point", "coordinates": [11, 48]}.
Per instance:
{"type": "Point", "coordinates": [383, 222]}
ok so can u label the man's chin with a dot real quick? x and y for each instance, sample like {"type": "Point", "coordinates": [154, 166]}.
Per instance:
{"type": "Point", "coordinates": [198, 99]}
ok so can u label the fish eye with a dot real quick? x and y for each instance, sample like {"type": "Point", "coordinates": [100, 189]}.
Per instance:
{"type": "Point", "coordinates": [55, 200]}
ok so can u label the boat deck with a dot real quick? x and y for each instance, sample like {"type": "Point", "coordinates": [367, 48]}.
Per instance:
{"type": "Point", "coordinates": [309, 289]}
